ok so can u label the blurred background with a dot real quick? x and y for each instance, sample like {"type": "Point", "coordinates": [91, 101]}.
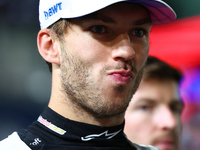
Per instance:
{"type": "Point", "coordinates": [25, 81]}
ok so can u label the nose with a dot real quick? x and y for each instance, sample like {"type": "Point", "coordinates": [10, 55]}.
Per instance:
{"type": "Point", "coordinates": [166, 119]}
{"type": "Point", "coordinates": [123, 48]}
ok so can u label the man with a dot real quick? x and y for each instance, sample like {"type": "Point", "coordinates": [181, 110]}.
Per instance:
{"type": "Point", "coordinates": [96, 50]}
{"type": "Point", "coordinates": [153, 116]}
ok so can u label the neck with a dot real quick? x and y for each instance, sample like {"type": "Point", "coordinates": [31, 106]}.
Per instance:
{"type": "Point", "coordinates": [71, 111]}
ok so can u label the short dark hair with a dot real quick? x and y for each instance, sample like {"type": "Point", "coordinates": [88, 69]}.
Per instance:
{"type": "Point", "coordinates": [159, 70]}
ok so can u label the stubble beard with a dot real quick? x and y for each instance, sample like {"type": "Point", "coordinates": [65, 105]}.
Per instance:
{"type": "Point", "coordinates": [79, 86]}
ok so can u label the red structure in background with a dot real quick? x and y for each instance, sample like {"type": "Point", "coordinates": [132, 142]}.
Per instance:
{"type": "Point", "coordinates": [178, 44]}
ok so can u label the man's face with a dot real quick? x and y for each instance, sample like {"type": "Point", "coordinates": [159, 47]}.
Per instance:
{"type": "Point", "coordinates": [102, 59]}
{"type": "Point", "coordinates": [153, 115]}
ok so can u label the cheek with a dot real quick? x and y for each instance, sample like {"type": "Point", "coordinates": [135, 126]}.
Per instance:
{"type": "Point", "coordinates": [92, 53]}
{"type": "Point", "coordinates": [137, 128]}
{"type": "Point", "coordinates": [91, 50]}
{"type": "Point", "coordinates": [136, 123]}
{"type": "Point", "coordinates": [141, 55]}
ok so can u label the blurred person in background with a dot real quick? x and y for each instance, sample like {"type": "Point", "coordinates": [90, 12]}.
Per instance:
{"type": "Point", "coordinates": [154, 113]}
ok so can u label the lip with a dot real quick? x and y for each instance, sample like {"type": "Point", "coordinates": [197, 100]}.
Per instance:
{"type": "Point", "coordinates": [165, 144]}
{"type": "Point", "coordinates": [121, 76]}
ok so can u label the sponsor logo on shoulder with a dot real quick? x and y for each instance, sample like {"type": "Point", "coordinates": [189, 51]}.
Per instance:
{"type": "Point", "coordinates": [53, 10]}
{"type": "Point", "coordinates": [95, 136]}
{"type": "Point", "coordinates": [36, 142]}
{"type": "Point", "coordinates": [51, 126]}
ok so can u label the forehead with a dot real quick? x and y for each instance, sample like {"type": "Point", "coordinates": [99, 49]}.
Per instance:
{"type": "Point", "coordinates": [165, 91]}
{"type": "Point", "coordinates": [129, 11]}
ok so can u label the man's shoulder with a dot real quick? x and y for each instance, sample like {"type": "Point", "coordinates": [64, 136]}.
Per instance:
{"type": "Point", "coordinates": [13, 142]}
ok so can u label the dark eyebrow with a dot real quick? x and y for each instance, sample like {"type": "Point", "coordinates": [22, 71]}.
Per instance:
{"type": "Point", "coordinates": [147, 100]}
{"type": "Point", "coordinates": [142, 21]}
{"type": "Point", "coordinates": [95, 16]}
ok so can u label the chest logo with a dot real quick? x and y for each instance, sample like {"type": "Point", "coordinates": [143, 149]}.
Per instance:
{"type": "Point", "coordinates": [104, 134]}
{"type": "Point", "coordinates": [51, 126]}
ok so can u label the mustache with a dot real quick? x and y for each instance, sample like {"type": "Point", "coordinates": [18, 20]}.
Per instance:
{"type": "Point", "coordinates": [121, 65]}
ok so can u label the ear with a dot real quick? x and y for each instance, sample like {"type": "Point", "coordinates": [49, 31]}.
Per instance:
{"type": "Point", "coordinates": [48, 47]}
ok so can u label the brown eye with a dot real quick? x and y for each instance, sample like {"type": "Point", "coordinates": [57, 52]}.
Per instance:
{"type": "Point", "coordinates": [144, 107]}
{"type": "Point", "coordinates": [139, 32]}
{"type": "Point", "coordinates": [177, 108]}
{"type": "Point", "coordinates": [98, 29]}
